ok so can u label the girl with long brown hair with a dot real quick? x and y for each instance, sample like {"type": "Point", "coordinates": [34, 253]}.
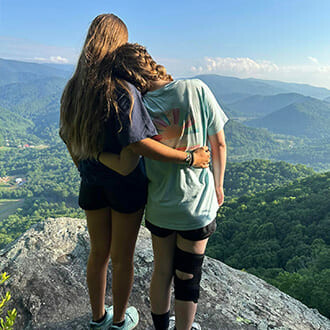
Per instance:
{"type": "Point", "coordinates": [182, 202]}
{"type": "Point", "coordinates": [102, 112]}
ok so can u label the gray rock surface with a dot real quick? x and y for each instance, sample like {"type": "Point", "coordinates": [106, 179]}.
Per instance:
{"type": "Point", "coordinates": [47, 265]}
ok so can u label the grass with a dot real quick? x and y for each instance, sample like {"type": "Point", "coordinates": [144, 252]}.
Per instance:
{"type": "Point", "coordinates": [9, 206]}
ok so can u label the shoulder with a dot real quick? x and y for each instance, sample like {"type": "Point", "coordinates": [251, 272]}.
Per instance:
{"type": "Point", "coordinates": [133, 90]}
{"type": "Point", "coordinates": [192, 83]}
{"type": "Point", "coordinates": [124, 99]}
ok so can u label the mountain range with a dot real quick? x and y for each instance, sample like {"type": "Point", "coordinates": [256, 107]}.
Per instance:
{"type": "Point", "coordinates": [309, 118]}
{"type": "Point", "coordinates": [16, 71]}
{"type": "Point", "coordinates": [271, 118]}
{"type": "Point", "coordinates": [259, 105]}
{"type": "Point", "coordinates": [225, 87]}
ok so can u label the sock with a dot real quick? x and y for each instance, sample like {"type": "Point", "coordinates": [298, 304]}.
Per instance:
{"type": "Point", "coordinates": [119, 324]}
{"type": "Point", "coordinates": [102, 318]}
{"type": "Point", "coordinates": [161, 321]}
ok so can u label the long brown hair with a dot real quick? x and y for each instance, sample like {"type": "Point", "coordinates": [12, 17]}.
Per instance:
{"type": "Point", "coordinates": [90, 95]}
{"type": "Point", "coordinates": [133, 63]}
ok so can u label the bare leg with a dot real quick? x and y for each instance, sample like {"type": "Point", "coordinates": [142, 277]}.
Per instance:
{"type": "Point", "coordinates": [160, 287]}
{"type": "Point", "coordinates": [99, 228]}
{"type": "Point", "coordinates": [185, 310]}
{"type": "Point", "coordinates": [125, 228]}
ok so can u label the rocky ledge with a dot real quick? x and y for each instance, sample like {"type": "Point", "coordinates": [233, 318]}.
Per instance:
{"type": "Point", "coordinates": [47, 265]}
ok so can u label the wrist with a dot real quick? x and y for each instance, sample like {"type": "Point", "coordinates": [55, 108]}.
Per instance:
{"type": "Point", "coordinates": [189, 160]}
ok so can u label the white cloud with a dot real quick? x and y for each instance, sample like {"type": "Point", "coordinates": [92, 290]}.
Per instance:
{"type": "Point", "coordinates": [313, 59]}
{"type": "Point", "coordinates": [198, 69]}
{"type": "Point", "coordinates": [239, 65]}
{"type": "Point", "coordinates": [244, 67]}
{"type": "Point", "coordinates": [52, 59]}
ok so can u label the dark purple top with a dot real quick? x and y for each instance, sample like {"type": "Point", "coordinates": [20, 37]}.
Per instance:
{"type": "Point", "coordinates": [138, 128]}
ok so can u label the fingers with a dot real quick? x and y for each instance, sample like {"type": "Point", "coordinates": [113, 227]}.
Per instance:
{"type": "Point", "coordinates": [205, 165]}
{"type": "Point", "coordinates": [205, 148]}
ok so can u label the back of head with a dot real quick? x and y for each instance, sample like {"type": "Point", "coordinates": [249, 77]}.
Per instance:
{"type": "Point", "coordinates": [83, 103]}
{"type": "Point", "coordinates": [106, 33]}
{"type": "Point", "coordinates": [133, 63]}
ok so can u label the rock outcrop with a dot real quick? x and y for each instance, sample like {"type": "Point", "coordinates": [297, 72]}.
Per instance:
{"type": "Point", "coordinates": [47, 265]}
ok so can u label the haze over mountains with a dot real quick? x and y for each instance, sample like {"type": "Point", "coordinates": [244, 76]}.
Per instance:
{"type": "Point", "coordinates": [269, 117]}
{"type": "Point", "coordinates": [258, 105]}
{"type": "Point", "coordinates": [16, 71]}
{"type": "Point", "coordinates": [225, 86]}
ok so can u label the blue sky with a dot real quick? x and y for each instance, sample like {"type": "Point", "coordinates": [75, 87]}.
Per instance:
{"type": "Point", "coordinates": [286, 40]}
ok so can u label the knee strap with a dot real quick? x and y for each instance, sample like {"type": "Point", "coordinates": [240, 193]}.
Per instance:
{"type": "Point", "coordinates": [189, 263]}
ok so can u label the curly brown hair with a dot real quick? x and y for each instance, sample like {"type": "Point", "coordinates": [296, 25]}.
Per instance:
{"type": "Point", "coordinates": [133, 63]}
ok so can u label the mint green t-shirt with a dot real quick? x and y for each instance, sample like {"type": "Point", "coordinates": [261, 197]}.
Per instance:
{"type": "Point", "coordinates": [185, 113]}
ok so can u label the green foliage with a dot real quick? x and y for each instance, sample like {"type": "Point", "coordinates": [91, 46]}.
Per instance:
{"type": "Point", "coordinates": [11, 314]}
{"type": "Point", "coordinates": [247, 143]}
{"type": "Point", "coordinates": [281, 235]}
{"type": "Point", "coordinates": [33, 98]}
{"type": "Point", "coordinates": [257, 175]}
{"type": "Point", "coordinates": [16, 71]}
{"type": "Point", "coordinates": [50, 190]}
{"type": "Point", "coordinates": [310, 118]}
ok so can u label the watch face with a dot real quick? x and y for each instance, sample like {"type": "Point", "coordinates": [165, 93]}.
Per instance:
{"type": "Point", "coordinates": [188, 158]}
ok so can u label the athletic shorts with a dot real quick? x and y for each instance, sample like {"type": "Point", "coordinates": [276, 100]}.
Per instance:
{"type": "Point", "coordinates": [191, 235]}
{"type": "Point", "coordinates": [123, 198]}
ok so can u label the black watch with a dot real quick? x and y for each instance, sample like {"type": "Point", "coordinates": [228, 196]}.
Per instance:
{"type": "Point", "coordinates": [189, 159]}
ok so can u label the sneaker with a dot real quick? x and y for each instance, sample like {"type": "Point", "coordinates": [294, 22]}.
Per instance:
{"type": "Point", "coordinates": [172, 323]}
{"type": "Point", "coordinates": [131, 320]}
{"type": "Point", "coordinates": [194, 326]}
{"type": "Point", "coordinates": [106, 323]}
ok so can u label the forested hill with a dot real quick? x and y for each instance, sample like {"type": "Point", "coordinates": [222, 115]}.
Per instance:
{"type": "Point", "coordinates": [258, 175]}
{"type": "Point", "coordinates": [16, 71]}
{"type": "Point", "coordinates": [310, 118]}
{"type": "Point", "coordinates": [247, 142]}
{"type": "Point", "coordinates": [283, 236]}
{"type": "Point", "coordinates": [11, 122]}
{"type": "Point", "coordinates": [33, 98]}
{"type": "Point", "coordinates": [259, 105]}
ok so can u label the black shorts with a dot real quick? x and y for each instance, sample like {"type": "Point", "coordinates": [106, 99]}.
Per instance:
{"type": "Point", "coordinates": [192, 235]}
{"type": "Point", "coordinates": [122, 198]}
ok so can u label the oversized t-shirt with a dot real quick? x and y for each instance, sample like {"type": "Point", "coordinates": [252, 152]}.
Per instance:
{"type": "Point", "coordinates": [185, 113]}
{"type": "Point", "coordinates": [119, 133]}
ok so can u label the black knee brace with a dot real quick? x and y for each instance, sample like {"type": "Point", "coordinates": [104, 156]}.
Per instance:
{"type": "Point", "coordinates": [190, 263]}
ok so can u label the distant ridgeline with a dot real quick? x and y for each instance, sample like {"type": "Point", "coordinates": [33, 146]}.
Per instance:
{"type": "Point", "coordinates": [270, 119]}
{"type": "Point", "coordinates": [275, 221]}
{"type": "Point", "coordinates": [291, 121]}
